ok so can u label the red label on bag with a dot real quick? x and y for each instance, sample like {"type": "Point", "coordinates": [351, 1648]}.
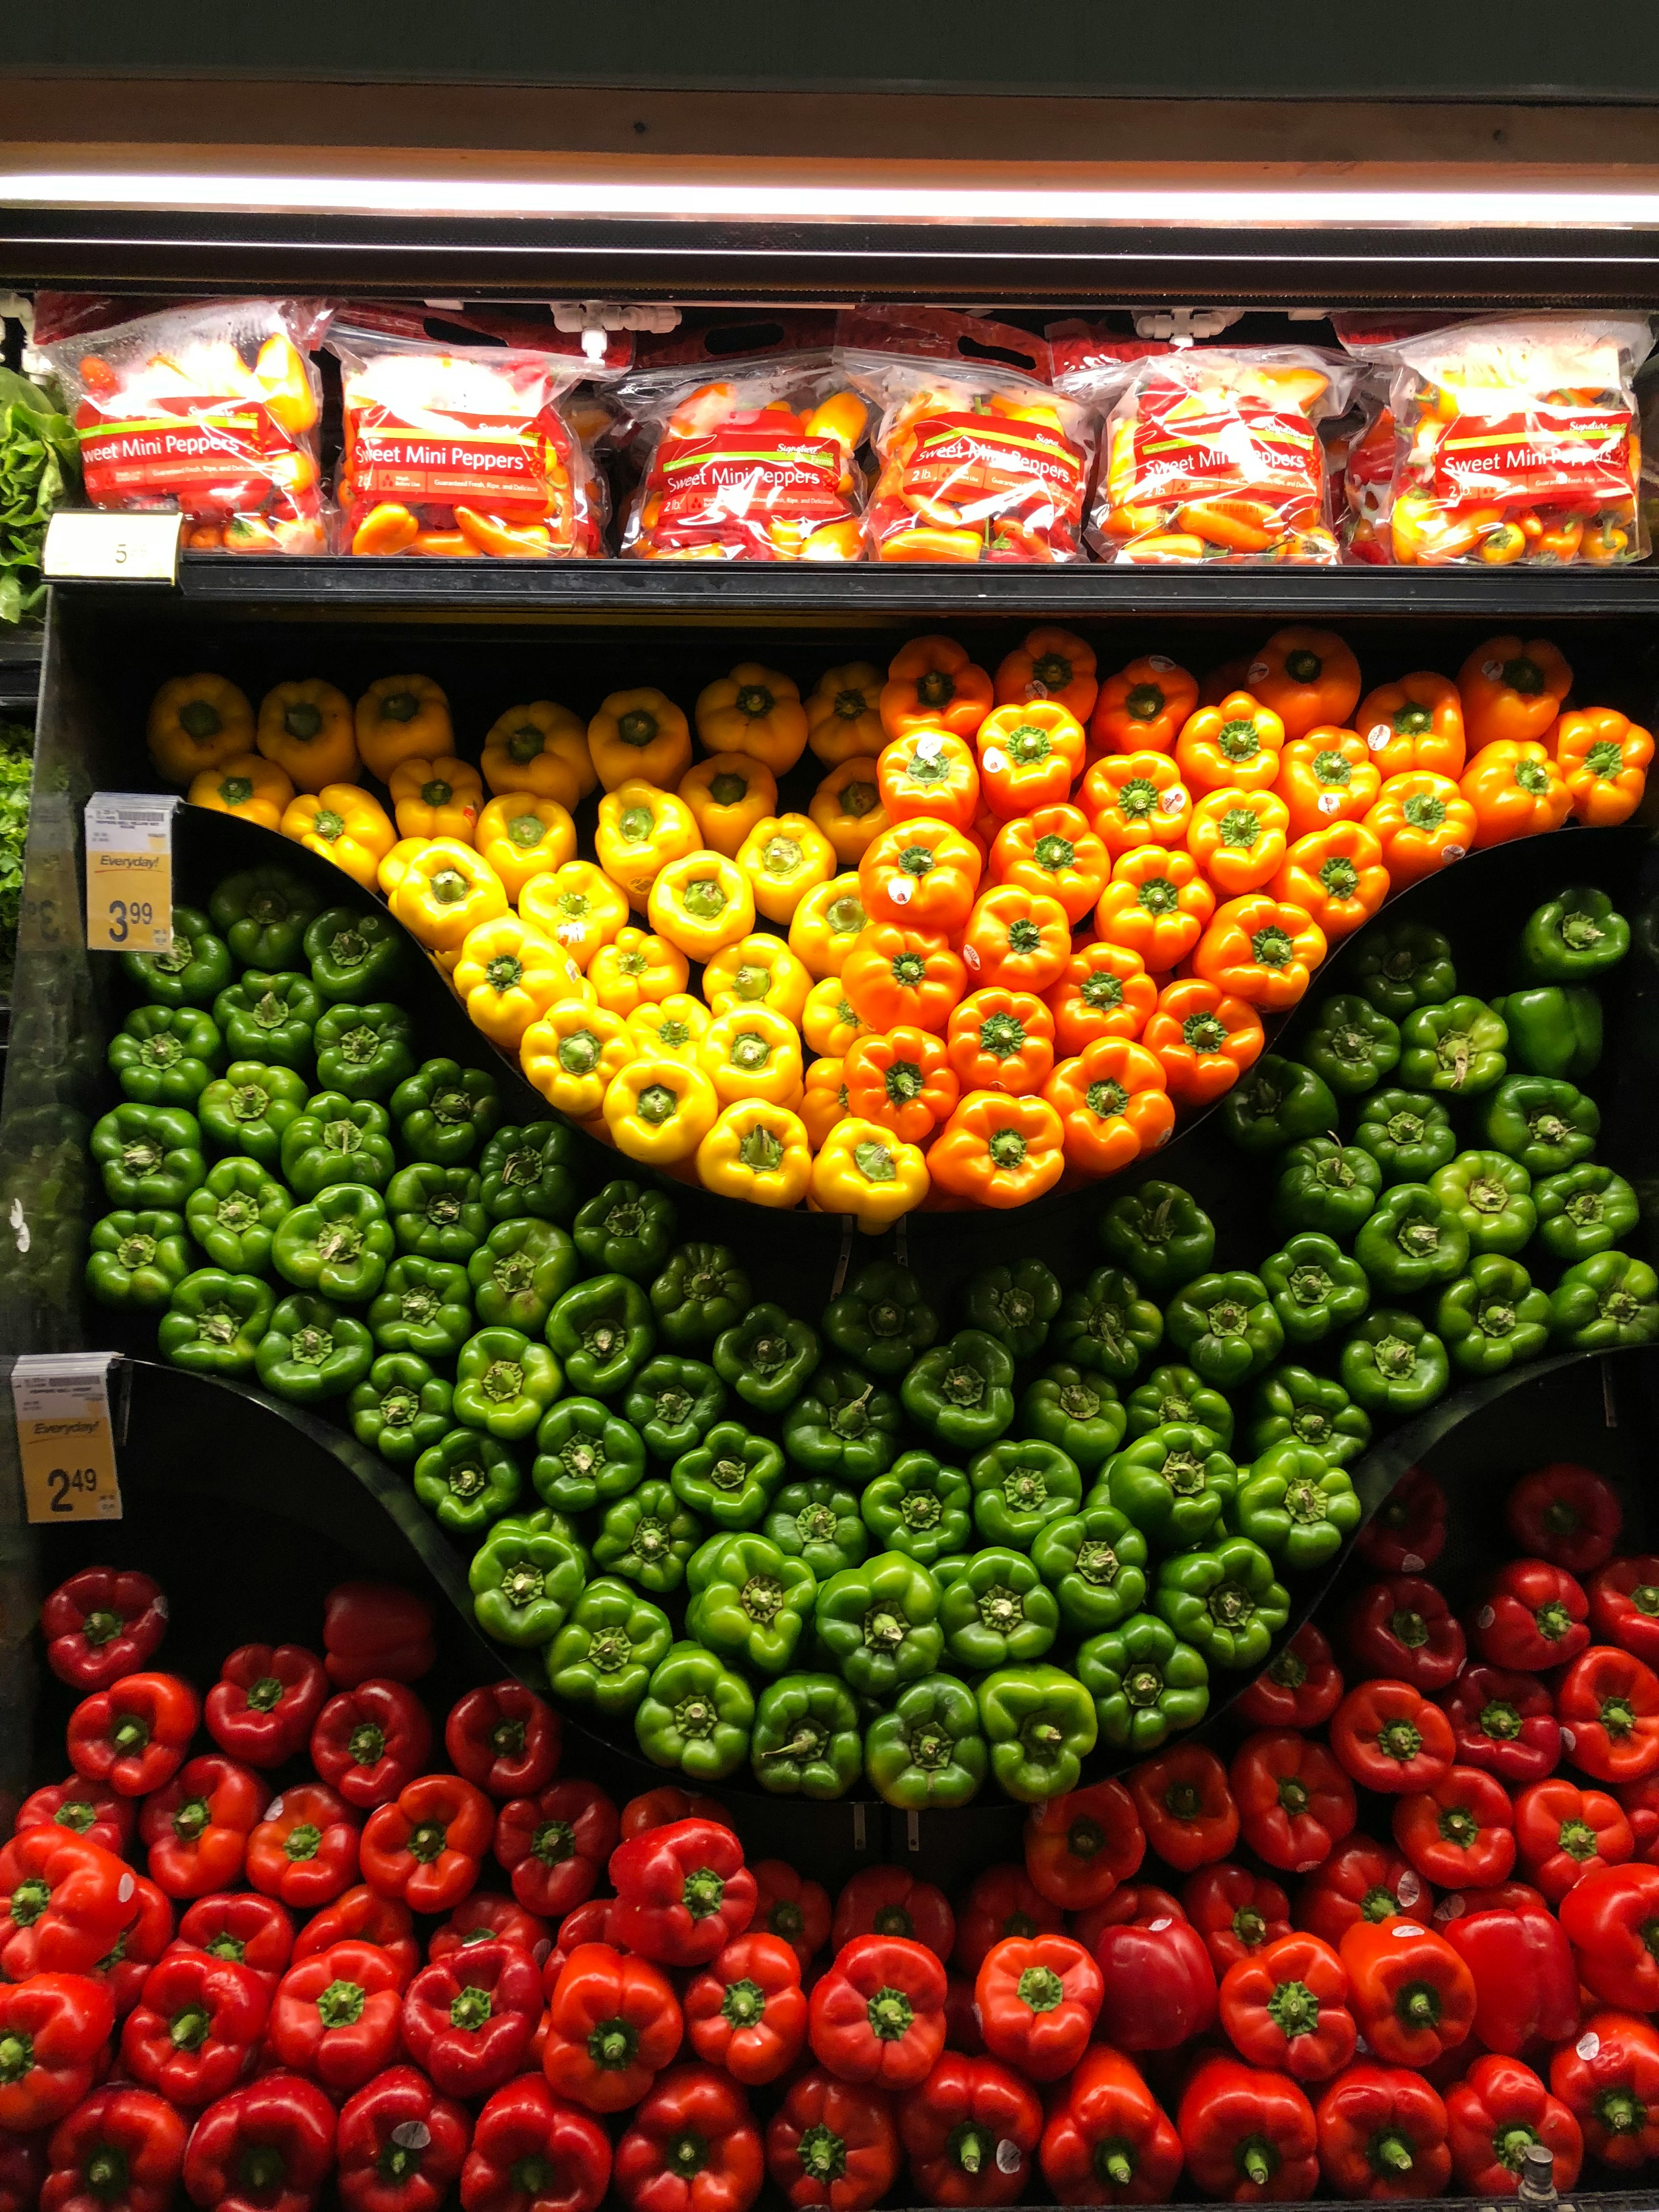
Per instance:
{"type": "Point", "coordinates": [1184, 448]}
{"type": "Point", "coordinates": [730, 472]}
{"type": "Point", "coordinates": [981, 459]}
{"type": "Point", "coordinates": [219, 442]}
{"type": "Point", "coordinates": [477, 458]}
{"type": "Point", "coordinates": [1577, 453]}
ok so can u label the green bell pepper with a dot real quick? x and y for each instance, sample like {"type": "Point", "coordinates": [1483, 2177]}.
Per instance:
{"type": "Point", "coordinates": [1275, 1102]}
{"type": "Point", "coordinates": [1019, 1487]}
{"type": "Point", "coordinates": [1492, 1318]}
{"type": "Point", "coordinates": [1300, 1508]}
{"type": "Point", "coordinates": [312, 1350]}
{"type": "Point", "coordinates": [1353, 1044]}
{"type": "Point", "coordinates": [701, 1292]}
{"type": "Point", "coordinates": [1456, 1049]}
{"type": "Point", "coordinates": [928, 1748]}
{"type": "Point", "coordinates": [436, 1212]}
{"type": "Point", "coordinates": [192, 974]}
{"type": "Point", "coordinates": [165, 1055]}
{"type": "Point", "coordinates": [1584, 1210]}
{"type": "Point", "coordinates": [1108, 1327]}
{"type": "Point", "coordinates": [214, 1322]}
{"type": "Point", "coordinates": [466, 1481]}
{"type": "Point", "coordinates": [340, 1245]}
{"type": "Point", "coordinates": [354, 956]}
{"type": "Point", "coordinates": [1014, 1305]}
{"type": "Point", "coordinates": [730, 1478]}
{"type": "Point", "coordinates": [1577, 934]}
{"type": "Point", "coordinates": [137, 1260]}
{"type": "Point", "coordinates": [806, 1742]}
{"type": "Point", "coordinates": [337, 1139]}
{"type": "Point", "coordinates": [818, 1521]}
{"type": "Point", "coordinates": [1393, 1363]}
{"type": "Point", "coordinates": [1295, 1407]}
{"type": "Point", "coordinates": [151, 1156]}
{"type": "Point", "coordinates": [695, 1714]}
{"type": "Point", "coordinates": [1040, 1722]}
{"type": "Point", "coordinates": [1326, 1187]}
{"type": "Point", "coordinates": [626, 1229]}
{"type": "Point", "coordinates": [528, 1171]}
{"type": "Point", "coordinates": [1607, 1300]}
{"type": "Point", "coordinates": [1411, 1241]}
{"type": "Point", "coordinates": [248, 1108]}
{"type": "Point", "coordinates": [999, 1612]}
{"type": "Point", "coordinates": [234, 1214]}
{"type": "Point", "coordinates": [919, 1508]}
{"type": "Point", "coordinates": [648, 1537]}
{"type": "Point", "coordinates": [1554, 1030]}
{"type": "Point", "coordinates": [1175, 1485]}
{"type": "Point", "coordinates": [845, 1426]}
{"type": "Point", "coordinates": [402, 1409]}
{"type": "Point", "coordinates": [364, 1051]}
{"type": "Point", "coordinates": [1159, 1234]}
{"type": "Point", "coordinates": [269, 1016]}
{"type": "Point", "coordinates": [504, 1383]}
{"type": "Point", "coordinates": [603, 1655]}
{"type": "Point", "coordinates": [1079, 1412]}
{"type": "Point", "coordinates": [1489, 1195]}
{"type": "Point", "coordinates": [1095, 1562]}
{"type": "Point", "coordinates": [262, 914]}
{"type": "Point", "coordinates": [519, 1271]}
{"type": "Point", "coordinates": [674, 1403]}
{"type": "Point", "coordinates": [881, 1320]}
{"type": "Point", "coordinates": [1226, 1325]}
{"type": "Point", "coordinates": [768, 1358]}
{"type": "Point", "coordinates": [445, 1113]}
{"type": "Point", "coordinates": [601, 1329]}
{"type": "Point", "coordinates": [1147, 1683]}
{"type": "Point", "coordinates": [524, 1585]}
{"type": "Point", "coordinates": [1315, 1287]}
{"type": "Point", "coordinates": [1407, 1133]}
{"type": "Point", "coordinates": [878, 1623]}
{"type": "Point", "coordinates": [1548, 1126]}
{"type": "Point", "coordinates": [425, 1306]}
{"type": "Point", "coordinates": [585, 1456]}
{"type": "Point", "coordinates": [751, 1604]}
{"type": "Point", "coordinates": [1401, 966]}
{"type": "Point", "coordinates": [1179, 1394]}
{"type": "Point", "coordinates": [1223, 1602]}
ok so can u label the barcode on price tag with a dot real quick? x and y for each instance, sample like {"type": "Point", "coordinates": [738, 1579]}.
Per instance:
{"type": "Point", "coordinates": [65, 1439]}
{"type": "Point", "coordinates": [130, 872]}
{"type": "Point", "coordinates": [143, 548]}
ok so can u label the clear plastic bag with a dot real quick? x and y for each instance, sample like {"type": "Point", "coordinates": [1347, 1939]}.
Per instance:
{"type": "Point", "coordinates": [1361, 467]}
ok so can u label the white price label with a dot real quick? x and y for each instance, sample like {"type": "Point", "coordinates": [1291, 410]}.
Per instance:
{"type": "Point", "coordinates": [129, 872]}
{"type": "Point", "coordinates": [65, 1439]}
{"type": "Point", "coordinates": [143, 548]}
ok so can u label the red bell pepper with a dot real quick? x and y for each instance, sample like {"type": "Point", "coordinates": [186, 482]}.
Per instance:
{"type": "Point", "coordinates": [1525, 1987]}
{"type": "Point", "coordinates": [1534, 1616]}
{"type": "Point", "coordinates": [65, 1902]}
{"type": "Point", "coordinates": [1236, 1912]}
{"type": "Point", "coordinates": [1563, 1831]}
{"type": "Point", "coordinates": [968, 2131]}
{"type": "Point", "coordinates": [1609, 2080]}
{"type": "Point", "coordinates": [102, 1623]}
{"type": "Point", "coordinates": [1503, 1723]}
{"type": "Point", "coordinates": [1248, 2135]}
{"type": "Point", "coordinates": [1640, 1801]}
{"type": "Point", "coordinates": [53, 2028]}
{"type": "Point", "coordinates": [1185, 1806]}
{"type": "Point", "coordinates": [124, 1967]}
{"type": "Point", "coordinates": [660, 1807]}
{"type": "Point", "coordinates": [80, 1806]}
{"type": "Point", "coordinates": [1382, 2133]}
{"type": "Point", "coordinates": [249, 1930]}
{"type": "Point", "coordinates": [691, 2147]}
{"type": "Point", "coordinates": [506, 1739]}
{"type": "Point", "coordinates": [1002, 1901]}
{"type": "Point", "coordinates": [370, 1740]}
{"type": "Point", "coordinates": [197, 1825]}
{"type": "Point", "coordinates": [788, 1905]}
{"type": "Point", "coordinates": [1160, 1987]}
{"type": "Point", "coordinates": [1361, 1881]}
{"type": "Point", "coordinates": [1038, 1999]}
{"type": "Point", "coordinates": [361, 1914]}
{"type": "Point", "coordinates": [1608, 1703]}
{"type": "Point", "coordinates": [195, 2032]}
{"type": "Point", "coordinates": [554, 1847]}
{"type": "Point", "coordinates": [488, 1917]}
{"type": "Point", "coordinates": [1390, 1738]}
{"type": "Point", "coordinates": [832, 2144]}
{"type": "Point", "coordinates": [1566, 1514]}
{"type": "Point", "coordinates": [122, 2149]}
{"type": "Point", "coordinates": [265, 1702]}
{"type": "Point", "coordinates": [1612, 1920]}
{"type": "Point", "coordinates": [1108, 2140]}
{"type": "Point", "coordinates": [615, 2025]}
{"type": "Point", "coordinates": [962, 2028]}
{"type": "Point", "coordinates": [1137, 1902]}
{"type": "Point", "coordinates": [588, 1923]}
{"type": "Point", "coordinates": [1401, 1628]}
{"type": "Point", "coordinates": [400, 2146]}
{"type": "Point", "coordinates": [1410, 1992]}
{"type": "Point", "coordinates": [134, 1734]}
{"type": "Point", "coordinates": [267, 2147]}
{"type": "Point", "coordinates": [1495, 2115]}
{"type": "Point", "coordinates": [1301, 1688]}
{"type": "Point", "coordinates": [532, 2152]}
{"type": "Point", "coordinates": [375, 1631]}
{"type": "Point", "coordinates": [427, 1846]}
{"type": "Point", "coordinates": [1624, 1604]}
{"type": "Point", "coordinates": [468, 2018]}
{"type": "Point", "coordinates": [22, 2170]}
{"type": "Point", "coordinates": [878, 2013]}
{"type": "Point", "coordinates": [306, 1849]}
{"type": "Point", "coordinates": [886, 1900]}
{"type": "Point", "coordinates": [1463, 1830]}
{"type": "Point", "coordinates": [1408, 1532]}
{"type": "Point", "coordinates": [1079, 1847]}
{"type": "Point", "coordinates": [682, 1892]}
{"type": "Point", "coordinates": [746, 2011]}
{"type": "Point", "coordinates": [1295, 1803]}
{"type": "Point", "coordinates": [1287, 2007]}
{"type": "Point", "coordinates": [335, 2017]}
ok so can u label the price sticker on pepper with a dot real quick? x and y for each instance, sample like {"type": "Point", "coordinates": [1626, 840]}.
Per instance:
{"type": "Point", "coordinates": [129, 872]}
{"type": "Point", "coordinates": [66, 1441]}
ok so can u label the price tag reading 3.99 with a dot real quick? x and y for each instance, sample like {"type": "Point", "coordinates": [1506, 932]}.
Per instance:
{"type": "Point", "coordinates": [129, 872]}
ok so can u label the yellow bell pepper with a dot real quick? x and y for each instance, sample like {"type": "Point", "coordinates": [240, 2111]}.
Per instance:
{"type": "Point", "coordinates": [436, 798]}
{"type": "Point", "coordinates": [509, 974]}
{"type": "Point", "coordinates": [668, 1029]}
{"type": "Point", "coordinates": [728, 793]}
{"type": "Point", "coordinates": [843, 715]}
{"type": "Point", "coordinates": [750, 1052]}
{"type": "Point", "coordinates": [572, 1055]}
{"type": "Point", "coordinates": [445, 893]}
{"type": "Point", "coordinates": [575, 904]}
{"type": "Point", "coordinates": [757, 711]}
{"type": "Point", "coordinates": [824, 1102]}
{"type": "Point", "coordinates": [757, 971]}
{"type": "Point", "coordinates": [305, 727]}
{"type": "Point", "coordinates": [390, 873]}
{"type": "Point", "coordinates": [640, 831]}
{"type": "Point", "coordinates": [701, 903]}
{"type": "Point", "coordinates": [829, 1024]}
{"type": "Point", "coordinates": [540, 748]}
{"type": "Point", "coordinates": [846, 806]}
{"type": "Point", "coordinates": [639, 737]}
{"type": "Point", "coordinates": [401, 718]}
{"type": "Point", "coordinates": [757, 1152]}
{"type": "Point", "coordinates": [783, 857]}
{"type": "Point", "coordinates": [345, 825]}
{"type": "Point", "coordinates": [246, 784]}
{"type": "Point", "coordinates": [196, 722]}
{"type": "Point", "coordinates": [633, 968]}
{"type": "Point", "coordinates": [660, 1109]}
{"type": "Point", "coordinates": [521, 835]}
{"type": "Point", "coordinates": [824, 927]}
{"type": "Point", "coordinates": [863, 1170]}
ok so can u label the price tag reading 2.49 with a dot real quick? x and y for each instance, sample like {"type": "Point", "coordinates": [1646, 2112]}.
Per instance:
{"type": "Point", "coordinates": [130, 872]}
{"type": "Point", "coordinates": [65, 1440]}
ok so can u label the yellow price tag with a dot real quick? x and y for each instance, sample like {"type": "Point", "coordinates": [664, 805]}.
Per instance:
{"type": "Point", "coordinates": [129, 872]}
{"type": "Point", "coordinates": [65, 1439]}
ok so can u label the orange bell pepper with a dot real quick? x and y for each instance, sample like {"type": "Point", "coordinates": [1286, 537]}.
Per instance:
{"type": "Point", "coordinates": [754, 710]}
{"type": "Point", "coordinates": [1516, 789]}
{"type": "Point", "coordinates": [1203, 1037]}
{"type": "Point", "coordinates": [1336, 875]}
{"type": "Point", "coordinates": [1327, 776]}
{"type": "Point", "coordinates": [922, 873]}
{"type": "Point", "coordinates": [1415, 723]}
{"type": "Point", "coordinates": [824, 1104]}
{"type": "Point", "coordinates": [843, 715]}
{"type": "Point", "coordinates": [932, 684]}
{"type": "Point", "coordinates": [997, 1151]}
{"type": "Point", "coordinates": [639, 736]}
{"type": "Point", "coordinates": [904, 1080]}
{"type": "Point", "coordinates": [1227, 676]}
{"type": "Point", "coordinates": [306, 727]}
{"type": "Point", "coordinates": [728, 793]}
{"type": "Point", "coordinates": [1028, 756]}
{"type": "Point", "coordinates": [896, 977]}
{"type": "Point", "coordinates": [1238, 838]}
{"type": "Point", "coordinates": [929, 773]}
{"type": "Point", "coordinates": [1104, 991]}
{"type": "Point", "coordinates": [1234, 746]}
{"type": "Point", "coordinates": [1019, 938]}
{"type": "Point", "coordinates": [1156, 903]}
{"type": "Point", "coordinates": [1603, 759]}
{"type": "Point", "coordinates": [1049, 664]}
{"type": "Point", "coordinates": [1308, 676]}
{"type": "Point", "coordinates": [1113, 1105]}
{"type": "Point", "coordinates": [1261, 949]}
{"type": "Point", "coordinates": [1001, 1040]}
{"type": "Point", "coordinates": [1144, 708]}
{"type": "Point", "coordinates": [1056, 852]}
{"type": "Point", "coordinates": [1136, 798]}
{"type": "Point", "coordinates": [1423, 822]}
{"type": "Point", "coordinates": [1512, 690]}
{"type": "Point", "coordinates": [848, 807]}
